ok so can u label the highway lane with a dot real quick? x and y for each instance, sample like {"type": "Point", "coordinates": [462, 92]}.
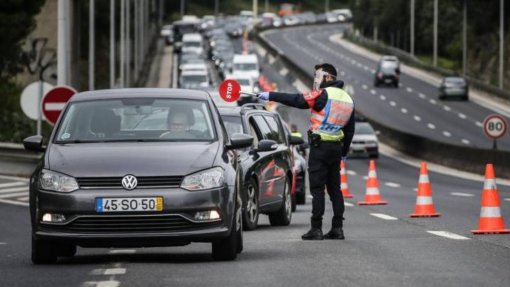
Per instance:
{"type": "Point", "coordinates": [413, 107]}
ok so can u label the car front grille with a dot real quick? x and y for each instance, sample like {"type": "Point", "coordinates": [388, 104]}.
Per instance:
{"type": "Point", "coordinates": [130, 223]}
{"type": "Point", "coordinates": [116, 182]}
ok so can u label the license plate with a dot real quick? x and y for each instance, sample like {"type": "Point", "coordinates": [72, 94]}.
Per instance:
{"type": "Point", "coordinates": [129, 204]}
{"type": "Point", "coordinates": [387, 81]}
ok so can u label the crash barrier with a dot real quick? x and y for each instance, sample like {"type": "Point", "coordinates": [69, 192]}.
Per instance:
{"type": "Point", "coordinates": [16, 161]}
{"type": "Point", "coordinates": [469, 159]}
{"type": "Point", "coordinates": [408, 58]}
{"type": "Point", "coordinates": [372, 193]}
{"type": "Point", "coordinates": [424, 204]}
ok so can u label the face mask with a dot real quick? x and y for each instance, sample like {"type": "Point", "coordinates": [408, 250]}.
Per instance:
{"type": "Point", "coordinates": [317, 80]}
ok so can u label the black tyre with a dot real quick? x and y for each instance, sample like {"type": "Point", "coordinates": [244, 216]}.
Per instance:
{"type": "Point", "coordinates": [44, 252]}
{"type": "Point", "coordinates": [227, 249]}
{"type": "Point", "coordinates": [465, 98]}
{"type": "Point", "coordinates": [67, 250]}
{"type": "Point", "coordinates": [283, 215]}
{"type": "Point", "coordinates": [395, 84]}
{"type": "Point", "coordinates": [251, 206]}
{"type": "Point", "coordinates": [374, 155]}
{"type": "Point", "coordinates": [293, 202]}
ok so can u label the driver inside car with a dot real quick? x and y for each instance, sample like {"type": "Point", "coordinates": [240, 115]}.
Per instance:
{"type": "Point", "coordinates": [178, 124]}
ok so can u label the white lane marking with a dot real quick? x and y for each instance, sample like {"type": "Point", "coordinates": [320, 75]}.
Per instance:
{"type": "Point", "coordinates": [422, 96]}
{"type": "Point", "coordinates": [383, 216]}
{"type": "Point", "coordinates": [431, 126]}
{"type": "Point", "coordinates": [364, 87]}
{"type": "Point", "coordinates": [3, 243]}
{"type": "Point", "coordinates": [348, 204]}
{"type": "Point", "coordinates": [14, 189]}
{"type": "Point", "coordinates": [351, 172]}
{"type": "Point", "coordinates": [382, 97]}
{"type": "Point", "coordinates": [447, 108]}
{"type": "Point", "coordinates": [11, 184]}
{"type": "Point", "coordinates": [284, 72]}
{"type": "Point", "coordinates": [25, 198]}
{"type": "Point", "coordinates": [342, 73]}
{"type": "Point", "coordinates": [432, 101]}
{"type": "Point", "coordinates": [392, 184]}
{"type": "Point", "coordinates": [365, 177]}
{"type": "Point", "coordinates": [365, 68]}
{"type": "Point", "coordinates": [506, 199]}
{"type": "Point", "coordinates": [373, 71]}
{"type": "Point", "coordinates": [122, 251]}
{"type": "Point", "coordinates": [410, 90]}
{"type": "Point", "coordinates": [479, 124]}
{"type": "Point", "coordinates": [393, 104]}
{"type": "Point", "coordinates": [447, 134]}
{"type": "Point", "coordinates": [462, 194]}
{"type": "Point", "coordinates": [465, 141]}
{"type": "Point", "coordinates": [109, 283]}
{"type": "Point", "coordinates": [417, 118]}
{"type": "Point", "coordinates": [373, 92]}
{"type": "Point", "coordinates": [115, 271]}
{"type": "Point", "coordinates": [403, 110]}
{"type": "Point", "coordinates": [462, 116]}
{"type": "Point", "coordinates": [448, 235]}
{"type": "Point", "coordinates": [18, 194]}
{"type": "Point", "coordinates": [13, 202]}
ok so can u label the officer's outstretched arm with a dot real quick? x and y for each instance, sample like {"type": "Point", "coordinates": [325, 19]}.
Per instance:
{"type": "Point", "coordinates": [289, 99]}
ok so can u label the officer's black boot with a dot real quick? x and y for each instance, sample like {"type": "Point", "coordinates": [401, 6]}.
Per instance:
{"type": "Point", "coordinates": [313, 234]}
{"type": "Point", "coordinates": [335, 233]}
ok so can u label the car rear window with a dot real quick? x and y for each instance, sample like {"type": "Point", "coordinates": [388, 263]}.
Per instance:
{"type": "Point", "coordinates": [364, 129]}
{"type": "Point", "coordinates": [136, 119]}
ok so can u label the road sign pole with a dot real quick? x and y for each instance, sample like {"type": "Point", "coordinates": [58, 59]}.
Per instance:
{"type": "Point", "coordinates": [39, 110]}
{"type": "Point", "coordinates": [495, 144]}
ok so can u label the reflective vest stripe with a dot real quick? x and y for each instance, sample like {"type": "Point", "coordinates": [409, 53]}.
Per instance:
{"type": "Point", "coordinates": [490, 212]}
{"type": "Point", "coordinates": [423, 200]}
{"type": "Point", "coordinates": [328, 123]}
{"type": "Point", "coordinates": [489, 184]}
{"type": "Point", "coordinates": [372, 191]}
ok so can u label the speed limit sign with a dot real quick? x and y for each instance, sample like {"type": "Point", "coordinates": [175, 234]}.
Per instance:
{"type": "Point", "coordinates": [495, 126]}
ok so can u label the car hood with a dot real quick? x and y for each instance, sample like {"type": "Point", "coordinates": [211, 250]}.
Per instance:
{"type": "Point", "coordinates": [139, 159]}
{"type": "Point", "coordinates": [364, 138]}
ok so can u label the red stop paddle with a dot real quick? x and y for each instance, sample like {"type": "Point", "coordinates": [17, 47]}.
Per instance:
{"type": "Point", "coordinates": [230, 90]}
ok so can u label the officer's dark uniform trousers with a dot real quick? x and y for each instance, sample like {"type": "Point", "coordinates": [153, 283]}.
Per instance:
{"type": "Point", "coordinates": [324, 171]}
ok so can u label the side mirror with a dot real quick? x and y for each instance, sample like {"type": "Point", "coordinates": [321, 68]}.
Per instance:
{"type": "Point", "coordinates": [34, 143]}
{"type": "Point", "coordinates": [267, 145]}
{"type": "Point", "coordinates": [238, 140]}
{"type": "Point", "coordinates": [294, 140]}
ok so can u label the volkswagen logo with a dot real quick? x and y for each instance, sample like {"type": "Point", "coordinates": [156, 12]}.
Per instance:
{"type": "Point", "coordinates": [129, 182]}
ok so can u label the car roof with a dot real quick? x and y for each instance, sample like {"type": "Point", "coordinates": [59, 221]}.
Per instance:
{"type": "Point", "coordinates": [194, 73]}
{"type": "Point", "coordinates": [245, 58]}
{"type": "Point", "coordinates": [236, 110]}
{"type": "Point", "coordinates": [140, 93]}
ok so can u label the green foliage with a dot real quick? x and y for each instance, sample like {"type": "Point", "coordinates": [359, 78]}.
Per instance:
{"type": "Point", "coordinates": [16, 22]}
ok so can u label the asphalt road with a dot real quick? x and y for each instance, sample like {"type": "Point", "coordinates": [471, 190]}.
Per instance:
{"type": "Point", "coordinates": [413, 108]}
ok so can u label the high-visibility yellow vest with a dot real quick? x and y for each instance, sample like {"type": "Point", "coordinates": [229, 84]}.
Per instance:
{"type": "Point", "coordinates": [329, 122]}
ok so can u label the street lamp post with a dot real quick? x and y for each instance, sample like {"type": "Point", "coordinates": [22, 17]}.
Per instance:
{"type": "Point", "coordinates": [112, 44]}
{"type": "Point", "coordinates": [464, 37]}
{"type": "Point", "coordinates": [412, 27]}
{"type": "Point", "coordinates": [434, 59]}
{"type": "Point", "coordinates": [501, 42]}
{"type": "Point", "coordinates": [92, 40]}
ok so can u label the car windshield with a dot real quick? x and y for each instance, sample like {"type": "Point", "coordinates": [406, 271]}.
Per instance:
{"type": "Point", "coordinates": [245, 67]}
{"type": "Point", "coordinates": [136, 119]}
{"type": "Point", "coordinates": [364, 129]}
{"type": "Point", "coordinates": [233, 124]}
{"type": "Point", "coordinates": [244, 82]}
{"type": "Point", "coordinates": [455, 81]}
{"type": "Point", "coordinates": [192, 44]}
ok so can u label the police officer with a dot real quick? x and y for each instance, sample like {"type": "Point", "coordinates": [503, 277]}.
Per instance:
{"type": "Point", "coordinates": [330, 135]}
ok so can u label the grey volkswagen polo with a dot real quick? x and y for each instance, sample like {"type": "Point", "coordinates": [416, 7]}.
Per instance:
{"type": "Point", "coordinates": [137, 168]}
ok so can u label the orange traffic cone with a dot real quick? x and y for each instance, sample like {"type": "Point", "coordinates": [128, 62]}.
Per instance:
{"type": "Point", "coordinates": [372, 196]}
{"type": "Point", "coordinates": [424, 205]}
{"type": "Point", "coordinates": [344, 187]}
{"type": "Point", "coordinates": [491, 220]}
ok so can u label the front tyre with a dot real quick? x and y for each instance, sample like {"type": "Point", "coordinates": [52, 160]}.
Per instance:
{"type": "Point", "coordinates": [226, 249]}
{"type": "Point", "coordinates": [283, 216]}
{"type": "Point", "coordinates": [251, 209]}
{"type": "Point", "coordinates": [44, 252]}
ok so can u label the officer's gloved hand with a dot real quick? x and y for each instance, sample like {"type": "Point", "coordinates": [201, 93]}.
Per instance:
{"type": "Point", "coordinates": [263, 96]}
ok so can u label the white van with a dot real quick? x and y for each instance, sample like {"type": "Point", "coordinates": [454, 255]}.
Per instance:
{"type": "Point", "coordinates": [192, 43]}
{"type": "Point", "coordinates": [246, 65]}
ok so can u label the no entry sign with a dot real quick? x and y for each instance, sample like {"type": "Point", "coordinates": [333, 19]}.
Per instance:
{"type": "Point", "coordinates": [54, 101]}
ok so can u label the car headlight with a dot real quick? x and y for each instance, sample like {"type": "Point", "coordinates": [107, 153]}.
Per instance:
{"type": "Point", "coordinates": [206, 179]}
{"type": "Point", "coordinates": [54, 181]}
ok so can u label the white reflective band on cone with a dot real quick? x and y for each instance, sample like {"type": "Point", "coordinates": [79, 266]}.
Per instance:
{"type": "Point", "coordinates": [423, 200]}
{"type": "Point", "coordinates": [424, 178]}
{"type": "Point", "coordinates": [489, 184]}
{"type": "Point", "coordinates": [372, 191]}
{"type": "Point", "coordinates": [490, 212]}
{"type": "Point", "coordinates": [342, 172]}
{"type": "Point", "coordinates": [344, 186]}
{"type": "Point", "coordinates": [372, 173]}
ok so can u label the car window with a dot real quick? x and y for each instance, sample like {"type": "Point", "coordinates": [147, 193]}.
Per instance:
{"type": "Point", "coordinates": [276, 132]}
{"type": "Point", "coordinates": [364, 129]}
{"type": "Point", "coordinates": [233, 124]}
{"type": "Point", "coordinates": [264, 128]}
{"type": "Point", "coordinates": [136, 119]}
{"type": "Point", "coordinates": [253, 132]}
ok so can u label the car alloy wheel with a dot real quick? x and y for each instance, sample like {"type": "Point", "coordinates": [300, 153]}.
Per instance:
{"type": "Point", "coordinates": [251, 210]}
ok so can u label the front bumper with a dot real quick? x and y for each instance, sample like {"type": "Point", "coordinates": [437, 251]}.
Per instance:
{"type": "Point", "coordinates": [174, 225]}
